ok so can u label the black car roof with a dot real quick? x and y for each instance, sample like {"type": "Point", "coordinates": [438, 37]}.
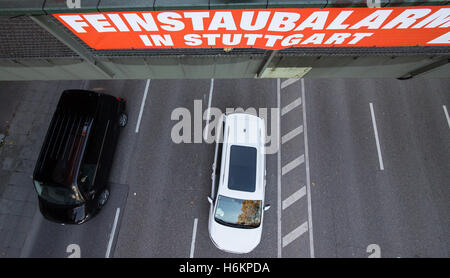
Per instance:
{"type": "Point", "coordinates": [66, 138]}
{"type": "Point", "coordinates": [79, 101]}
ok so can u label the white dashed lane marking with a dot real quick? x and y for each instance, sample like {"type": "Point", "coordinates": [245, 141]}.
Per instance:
{"type": "Point", "coordinates": [113, 232]}
{"type": "Point", "coordinates": [298, 219]}
{"type": "Point", "coordinates": [194, 235]}
{"type": "Point", "coordinates": [377, 140]}
{"type": "Point", "coordinates": [291, 106]}
{"type": "Point", "coordinates": [291, 134]}
{"type": "Point", "coordinates": [293, 235]}
{"type": "Point", "coordinates": [292, 165]}
{"type": "Point", "coordinates": [294, 197]}
{"type": "Point", "coordinates": [446, 114]}
{"type": "Point", "coordinates": [141, 111]}
{"type": "Point", "coordinates": [288, 82]}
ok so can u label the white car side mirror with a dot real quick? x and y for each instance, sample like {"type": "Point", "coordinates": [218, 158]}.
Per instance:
{"type": "Point", "coordinates": [266, 207]}
{"type": "Point", "coordinates": [210, 200]}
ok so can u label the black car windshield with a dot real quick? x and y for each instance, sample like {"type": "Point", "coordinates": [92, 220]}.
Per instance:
{"type": "Point", "coordinates": [58, 195]}
{"type": "Point", "coordinates": [238, 213]}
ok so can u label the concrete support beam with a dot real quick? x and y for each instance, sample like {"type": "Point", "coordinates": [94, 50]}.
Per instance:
{"type": "Point", "coordinates": [50, 26]}
{"type": "Point", "coordinates": [266, 63]}
{"type": "Point", "coordinates": [425, 68]}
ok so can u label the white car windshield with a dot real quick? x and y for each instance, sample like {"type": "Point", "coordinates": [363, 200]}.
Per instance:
{"type": "Point", "coordinates": [238, 213]}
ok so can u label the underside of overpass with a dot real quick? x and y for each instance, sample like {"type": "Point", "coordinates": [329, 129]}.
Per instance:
{"type": "Point", "coordinates": [35, 45]}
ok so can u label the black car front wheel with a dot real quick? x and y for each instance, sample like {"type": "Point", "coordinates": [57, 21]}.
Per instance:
{"type": "Point", "coordinates": [103, 198]}
{"type": "Point", "coordinates": [123, 120]}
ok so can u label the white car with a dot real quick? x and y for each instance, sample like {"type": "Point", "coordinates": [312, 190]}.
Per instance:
{"type": "Point", "coordinates": [238, 184]}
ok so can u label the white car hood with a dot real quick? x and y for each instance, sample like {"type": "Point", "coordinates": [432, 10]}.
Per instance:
{"type": "Point", "coordinates": [234, 240]}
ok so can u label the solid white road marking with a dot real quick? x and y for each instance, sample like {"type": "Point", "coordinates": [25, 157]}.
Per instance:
{"type": "Point", "coordinates": [194, 234]}
{"type": "Point", "coordinates": [308, 177]}
{"type": "Point", "coordinates": [293, 235]}
{"type": "Point", "coordinates": [208, 113]}
{"type": "Point", "coordinates": [446, 115]}
{"type": "Point", "coordinates": [113, 231]}
{"type": "Point", "coordinates": [278, 173]}
{"type": "Point", "coordinates": [294, 197]}
{"type": "Point", "coordinates": [291, 106]}
{"type": "Point", "coordinates": [291, 134]}
{"type": "Point", "coordinates": [147, 85]}
{"type": "Point", "coordinates": [291, 165]}
{"type": "Point", "coordinates": [288, 82]}
{"type": "Point", "coordinates": [377, 140]}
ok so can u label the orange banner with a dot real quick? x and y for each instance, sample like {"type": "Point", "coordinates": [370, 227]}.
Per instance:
{"type": "Point", "coordinates": [263, 28]}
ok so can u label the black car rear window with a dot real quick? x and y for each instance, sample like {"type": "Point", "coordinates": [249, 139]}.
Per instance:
{"type": "Point", "coordinates": [242, 173]}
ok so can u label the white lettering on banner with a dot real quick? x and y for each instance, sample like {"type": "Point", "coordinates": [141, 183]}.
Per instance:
{"type": "Point", "coordinates": [117, 20]}
{"type": "Point", "coordinates": [283, 22]}
{"type": "Point", "coordinates": [222, 20]}
{"type": "Point", "coordinates": [197, 19]}
{"type": "Point", "coordinates": [315, 21]}
{"type": "Point", "coordinates": [407, 18]}
{"type": "Point", "coordinates": [440, 18]}
{"type": "Point", "coordinates": [315, 39]}
{"type": "Point", "coordinates": [269, 28]}
{"type": "Point", "coordinates": [271, 39]}
{"type": "Point", "coordinates": [338, 38]}
{"type": "Point", "coordinates": [136, 22]}
{"type": "Point", "coordinates": [280, 22]}
{"type": "Point", "coordinates": [158, 40]}
{"type": "Point", "coordinates": [211, 38]}
{"type": "Point", "coordinates": [292, 40]}
{"type": "Point", "coordinates": [247, 20]}
{"type": "Point", "coordinates": [359, 36]}
{"type": "Point", "coordinates": [169, 18]}
{"type": "Point", "coordinates": [145, 40]}
{"type": "Point", "coordinates": [373, 21]}
{"type": "Point", "coordinates": [252, 38]}
{"type": "Point", "coordinates": [99, 22]}
{"type": "Point", "coordinates": [76, 22]}
{"type": "Point", "coordinates": [337, 23]}
{"type": "Point", "coordinates": [236, 39]}
{"type": "Point", "coordinates": [442, 39]}
{"type": "Point", "coordinates": [193, 39]}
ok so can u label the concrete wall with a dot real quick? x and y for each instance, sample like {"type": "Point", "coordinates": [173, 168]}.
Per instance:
{"type": "Point", "coordinates": [216, 67]}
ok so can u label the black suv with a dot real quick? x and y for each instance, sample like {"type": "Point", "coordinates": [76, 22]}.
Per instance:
{"type": "Point", "coordinates": [71, 173]}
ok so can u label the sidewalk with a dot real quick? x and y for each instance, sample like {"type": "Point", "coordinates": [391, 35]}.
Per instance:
{"type": "Point", "coordinates": [24, 128]}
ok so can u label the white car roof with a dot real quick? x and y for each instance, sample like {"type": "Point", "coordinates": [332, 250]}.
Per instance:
{"type": "Point", "coordinates": [243, 130]}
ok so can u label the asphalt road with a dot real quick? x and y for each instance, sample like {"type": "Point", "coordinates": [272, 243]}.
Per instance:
{"type": "Point", "coordinates": [173, 192]}
{"type": "Point", "coordinates": [92, 239]}
{"type": "Point", "coordinates": [9, 104]}
{"type": "Point", "coordinates": [160, 188]}
{"type": "Point", "coordinates": [403, 209]}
